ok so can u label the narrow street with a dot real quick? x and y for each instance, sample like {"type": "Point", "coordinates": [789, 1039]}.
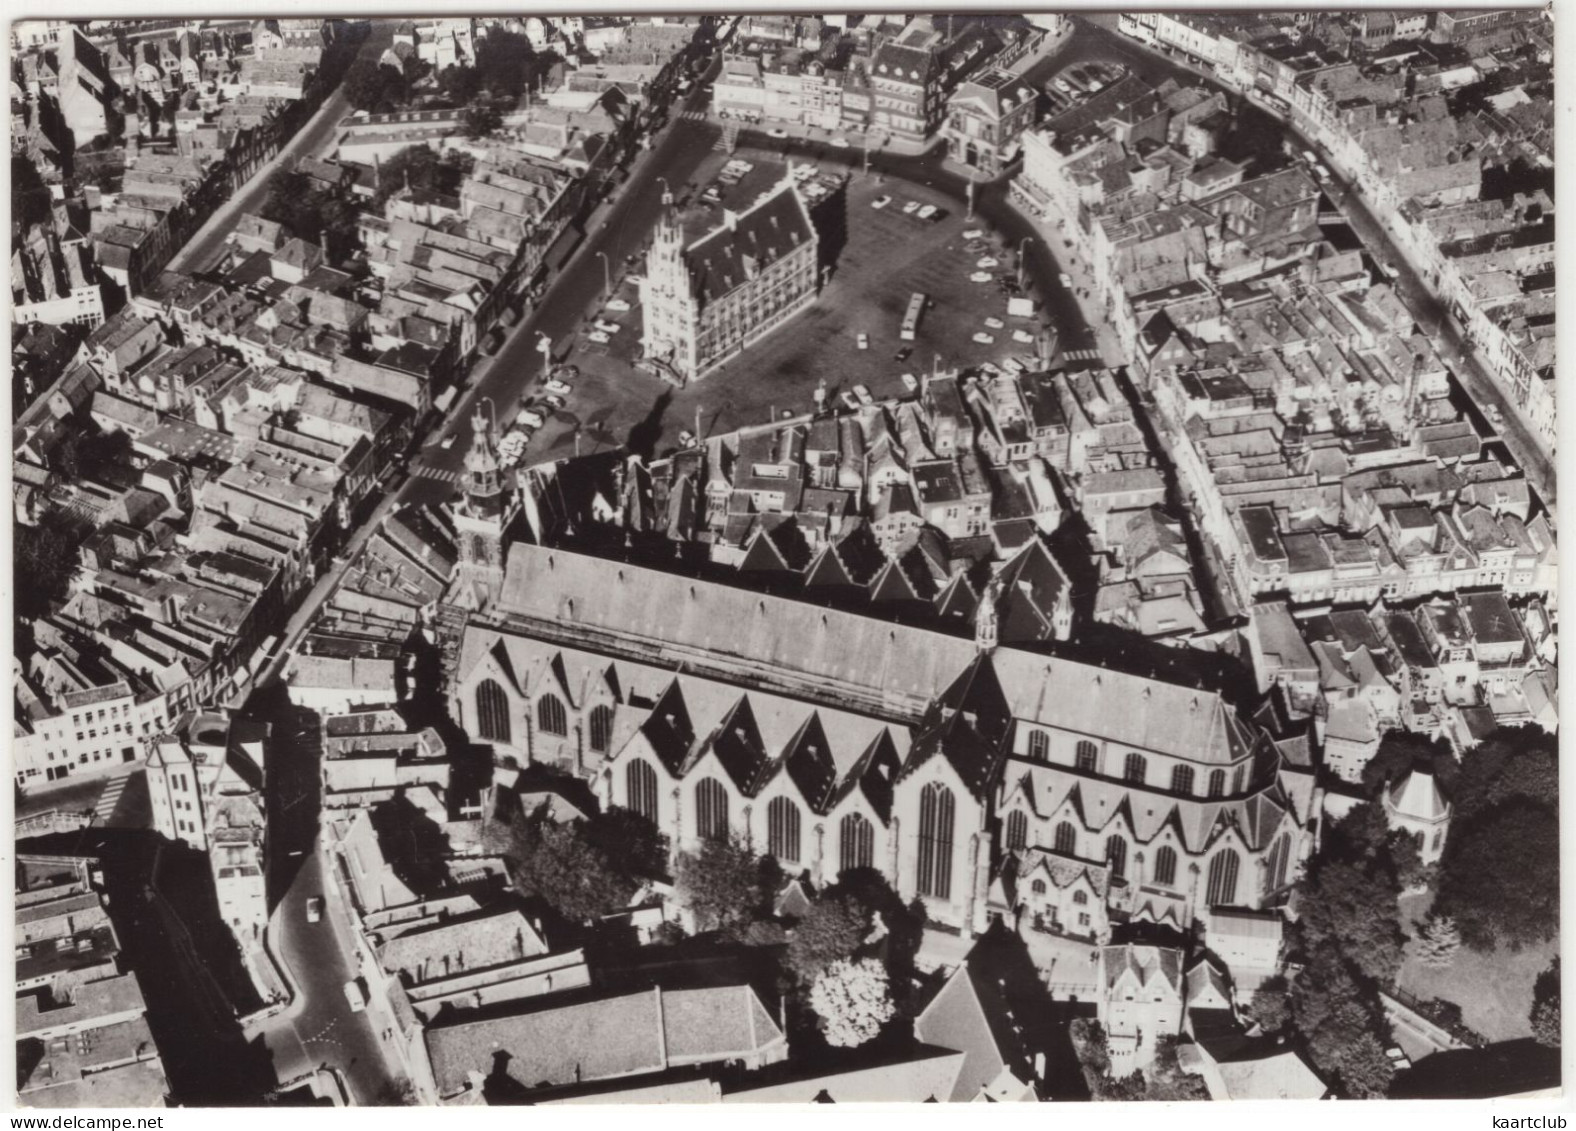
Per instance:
{"type": "Point", "coordinates": [311, 140]}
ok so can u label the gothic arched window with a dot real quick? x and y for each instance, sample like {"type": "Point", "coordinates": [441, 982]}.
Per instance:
{"type": "Point", "coordinates": [550, 717]}
{"type": "Point", "coordinates": [711, 810]}
{"type": "Point", "coordinates": [1066, 839]}
{"type": "Point", "coordinates": [782, 829]}
{"type": "Point", "coordinates": [1017, 830]}
{"type": "Point", "coordinates": [1116, 856]}
{"type": "Point", "coordinates": [1222, 888]}
{"type": "Point", "coordinates": [936, 812]}
{"type": "Point", "coordinates": [856, 843]}
{"type": "Point", "coordinates": [1166, 866]}
{"type": "Point", "coordinates": [640, 781]}
{"type": "Point", "coordinates": [601, 728]}
{"type": "Point", "coordinates": [1182, 779]}
{"type": "Point", "coordinates": [492, 712]}
{"type": "Point", "coordinates": [1135, 768]}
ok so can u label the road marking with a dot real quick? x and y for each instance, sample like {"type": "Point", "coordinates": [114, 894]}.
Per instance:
{"type": "Point", "coordinates": [105, 809]}
{"type": "Point", "coordinates": [440, 474]}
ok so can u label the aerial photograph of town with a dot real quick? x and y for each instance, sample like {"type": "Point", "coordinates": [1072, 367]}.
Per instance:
{"type": "Point", "coordinates": [784, 558]}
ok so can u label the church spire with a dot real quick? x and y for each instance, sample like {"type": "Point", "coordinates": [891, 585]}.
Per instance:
{"type": "Point", "coordinates": [985, 618]}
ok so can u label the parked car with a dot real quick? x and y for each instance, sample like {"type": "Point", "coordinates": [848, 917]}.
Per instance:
{"type": "Point", "coordinates": [927, 212]}
{"type": "Point", "coordinates": [1065, 280]}
{"type": "Point", "coordinates": [598, 337]}
{"type": "Point", "coordinates": [903, 354]}
{"type": "Point", "coordinates": [1023, 337]}
{"type": "Point", "coordinates": [910, 382]}
{"type": "Point", "coordinates": [557, 387]}
{"type": "Point", "coordinates": [314, 909]}
{"type": "Point", "coordinates": [986, 262]}
{"type": "Point", "coordinates": [839, 143]}
{"type": "Point", "coordinates": [910, 208]}
{"type": "Point", "coordinates": [779, 133]}
{"type": "Point", "coordinates": [1064, 86]}
{"type": "Point", "coordinates": [863, 393]}
{"type": "Point", "coordinates": [686, 439]}
{"type": "Point", "coordinates": [974, 234]}
{"type": "Point", "coordinates": [447, 442]}
{"type": "Point", "coordinates": [985, 339]}
{"type": "Point", "coordinates": [353, 994]}
{"type": "Point", "coordinates": [881, 202]}
{"type": "Point", "coordinates": [553, 402]}
{"type": "Point", "coordinates": [618, 306]}
{"type": "Point", "coordinates": [981, 277]}
{"type": "Point", "coordinates": [529, 418]}
{"type": "Point", "coordinates": [864, 341]}
{"type": "Point", "coordinates": [607, 327]}
{"type": "Point", "coordinates": [491, 342]}
{"type": "Point", "coordinates": [994, 323]}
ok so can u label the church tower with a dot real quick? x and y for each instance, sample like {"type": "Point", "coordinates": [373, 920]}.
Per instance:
{"type": "Point", "coordinates": [484, 519]}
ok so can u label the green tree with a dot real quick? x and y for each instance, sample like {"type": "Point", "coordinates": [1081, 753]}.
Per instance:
{"type": "Point", "coordinates": [45, 560]}
{"type": "Point", "coordinates": [1438, 942]}
{"type": "Point", "coordinates": [504, 63]}
{"type": "Point", "coordinates": [1272, 1004]}
{"type": "Point", "coordinates": [1332, 1007]}
{"type": "Point", "coordinates": [1365, 1071]}
{"type": "Point", "coordinates": [424, 171]}
{"type": "Point", "coordinates": [374, 88]}
{"type": "Point", "coordinates": [720, 883]}
{"type": "Point", "coordinates": [832, 930]}
{"type": "Point", "coordinates": [1352, 909]}
{"type": "Point", "coordinates": [396, 1091]}
{"type": "Point", "coordinates": [459, 84]}
{"type": "Point", "coordinates": [632, 841]}
{"type": "Point", "coordinates": [1499, 878]}
{"type": "Point", "coordinates": [30, 198]}
{"type": "Point", "coordinates": [1521, 762]}
{"type": "Point", "coordinates": [1402, 751]}
{"type": "Point", "coordinates": [1546, 1006]}
{"type": "Point", "coordinates": [571, 875]}
{"type": "Point", "coordinates": [1167, 1083]}
{"type": "Point", "coordinates": [852, 1000]}
{"type": "Point", "coordinates": [480, 120]}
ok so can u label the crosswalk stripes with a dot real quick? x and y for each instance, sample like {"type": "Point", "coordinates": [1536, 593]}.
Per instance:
{"type": "Point", "coordinates": [105, 809]}
{"type": "Point", "coordinates": [442, 475]}
{"type": "Point", "coordinates": [693, 115]}
{"type": "Point", "coordinates": [1083, 355]}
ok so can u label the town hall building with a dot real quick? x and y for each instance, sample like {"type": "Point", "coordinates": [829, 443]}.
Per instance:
{"type": "Point", "coordinates": [708, 301]}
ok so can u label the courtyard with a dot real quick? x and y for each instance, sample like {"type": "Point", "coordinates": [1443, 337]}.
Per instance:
{"type": "Point", "coordinates": [886, 256]}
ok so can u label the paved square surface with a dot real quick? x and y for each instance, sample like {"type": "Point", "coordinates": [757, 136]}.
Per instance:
{"type": "Point", "coordinates": [887, 257]}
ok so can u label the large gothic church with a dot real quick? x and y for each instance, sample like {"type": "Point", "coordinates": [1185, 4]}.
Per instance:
{"type": "Point", "coordinates": [833, 740]}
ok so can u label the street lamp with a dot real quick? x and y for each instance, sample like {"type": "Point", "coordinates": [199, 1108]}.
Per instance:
{"type": "Point", "coordinates": [607, 274]}
{"type": "Point", "coordinates": [666, 190]}
{"type": "Point", "coordinates": [1021, 242]}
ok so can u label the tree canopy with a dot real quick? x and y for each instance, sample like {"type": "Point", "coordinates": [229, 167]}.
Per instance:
{"type": "Point", "coordinates": [1546, 1006]}
{"type": "Point", "coordinates": [832, 930]}
{"type": "Point", "coordinates": [575, 878]}
{"type": "Point", "coordinates": [1402, 751]}
{"type": "Point", "coordinates": [852, 1000]}
{"type": "Point", "coordinates": [374, 88]}
{"type": "Point", "coordinates": [721, 884]}
{"type": "Point", "coordinates": [1335, 1010]}
{"type": "Point", "coordinates": [423, 170]}
{"type": "Point", "coordinates": [30, 199]}
{"type": "Point", "coordinates": [311, 214]}
{"type": "Point", "coordinates": [45, 559]}
{"type": "Point", "coordinates": [1499, 878]}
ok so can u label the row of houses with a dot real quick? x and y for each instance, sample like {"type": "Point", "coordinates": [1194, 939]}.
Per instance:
{"type": "Point", "coordinates": [1392, 120]}
{"type": "Point", "coordinates": [240, 482]}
